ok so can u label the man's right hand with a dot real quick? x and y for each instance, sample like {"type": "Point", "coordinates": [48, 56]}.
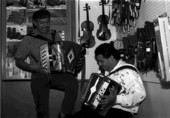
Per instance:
{"type": "Point", "coordinates": [38, 68]}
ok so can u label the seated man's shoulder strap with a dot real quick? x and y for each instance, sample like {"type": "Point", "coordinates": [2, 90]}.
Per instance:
{"type": "Point", "coordinates": [127, 66]}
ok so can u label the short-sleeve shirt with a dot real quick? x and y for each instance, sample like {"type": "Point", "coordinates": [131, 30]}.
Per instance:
{"type": "Point", "coordinates": [30, 47]}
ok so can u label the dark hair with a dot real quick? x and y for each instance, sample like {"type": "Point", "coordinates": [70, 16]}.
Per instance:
{"type": "Point", "coordinates": [40, 14]}
{"type": "Point", "coordinates": [107, 49]}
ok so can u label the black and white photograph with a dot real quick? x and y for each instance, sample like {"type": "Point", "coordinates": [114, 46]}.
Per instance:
{"type": "Point", "coordinates": [84, 58]}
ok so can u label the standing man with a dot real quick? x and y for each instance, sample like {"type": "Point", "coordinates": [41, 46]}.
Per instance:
{"type": "Point", "coordinates": [41, 80]}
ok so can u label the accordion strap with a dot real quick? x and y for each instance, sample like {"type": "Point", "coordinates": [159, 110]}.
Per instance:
{"type": "Point", "coordinates": [53, 33]}
{"type": "Point", "coordinates": [127, 66]}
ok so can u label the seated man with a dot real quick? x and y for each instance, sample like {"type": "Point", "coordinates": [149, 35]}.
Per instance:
{"type": "Point", "coordinates": [126, 102]}
{"type": "Point", "coordinates": [41, 80]}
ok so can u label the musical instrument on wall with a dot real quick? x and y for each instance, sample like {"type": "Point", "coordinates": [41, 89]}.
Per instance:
{"type": "Point", "coordinates": [97, 87]}
{"type": "Point", "coordinates": [103, 33]}
{"type": "Point", "coordinates": [87, 27]}
{"type": "Point", "coordinates": [62, 56]}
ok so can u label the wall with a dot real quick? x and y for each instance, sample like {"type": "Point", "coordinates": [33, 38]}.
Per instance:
{"type": "Point", "coordinates": [150, 9]}
{"type": "Point", "coordinates": [94, 12]}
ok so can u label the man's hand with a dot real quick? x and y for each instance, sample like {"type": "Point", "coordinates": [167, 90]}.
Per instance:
{"type": "Point", "coordinates": [38, 68]}
{"type": "Point", "coordinates": [107, 101]}
{"type": "Point", "coordinates": [20, 63]}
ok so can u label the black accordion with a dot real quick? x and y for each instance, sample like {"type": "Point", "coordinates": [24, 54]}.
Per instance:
{"type": "Point", "coordinates": [62, 56]}
{"type": "Point", "coordinates": [98, 86]}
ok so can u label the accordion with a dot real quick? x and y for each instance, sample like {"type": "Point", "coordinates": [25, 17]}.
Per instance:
{"type": "Point", "coordinates": [98, 86]}
{"type": "Point", "coordinates": [62, 56]}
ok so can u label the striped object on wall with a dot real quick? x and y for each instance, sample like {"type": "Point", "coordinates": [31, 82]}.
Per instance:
{"type": "Point", "coordinates": [150, 9]}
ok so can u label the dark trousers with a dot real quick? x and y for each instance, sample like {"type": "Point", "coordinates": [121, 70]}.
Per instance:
{"type": "Point", "coordinates": [41, 85]}
{"type": "Point", "coordinates": [112, 113]}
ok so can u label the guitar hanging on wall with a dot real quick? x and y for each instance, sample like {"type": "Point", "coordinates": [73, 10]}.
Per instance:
{"type": "Point", "coordinates": [87, 27]}
{"type": "Point", "coordinates": [103, 33]}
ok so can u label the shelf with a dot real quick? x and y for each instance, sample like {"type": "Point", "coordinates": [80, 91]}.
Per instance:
{"type": "Point", "coordinates": [57, 7]}
{"type": "Point", "coordinates": [16, 80]}
{"type": "Point", "coordinates": [13, 40]}
{"type": "Point", "coordinates": [15, 8]}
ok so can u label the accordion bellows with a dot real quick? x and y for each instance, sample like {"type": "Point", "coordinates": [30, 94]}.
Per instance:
{"type": "Point", "coordinates": [62, 56]}
{"type": "Point", "coordinates": [97, 87]}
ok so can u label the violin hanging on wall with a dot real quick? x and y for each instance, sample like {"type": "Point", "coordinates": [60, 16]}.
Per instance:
{"type": "Point", "coordinates": [87, 27]}
{"type": "Point", "coordinates": [103, 33]}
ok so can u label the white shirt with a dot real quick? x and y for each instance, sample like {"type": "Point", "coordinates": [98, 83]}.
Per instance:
{"type": "Point", "coordinates": [132, 92]}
